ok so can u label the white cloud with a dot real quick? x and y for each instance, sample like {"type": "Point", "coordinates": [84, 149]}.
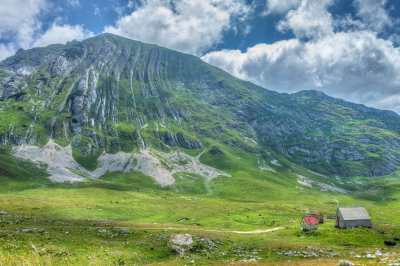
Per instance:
{"type": "Point", "coordinates": [19, 20]}
{"type": "Point", "coordinates": [395, 38]}
{"type": "Point", "coordinates": [97, 10]}
{"type": "Point", "coordinates": [355, 65]}
{"type": "Point", "coordinates": [21, 26]}
{"type": "Point", "coordinates": [373, 14]}
{"type": "Point", "coordinates": [310, 20]}
{"type": "Point", "coordinates": [187, 26]}
{"type": "Point", "coordinates": [281, 6]}
{"type": "Point", "coordinates": [7, 50]}
{"type": "Point", "coordinates": [62, 34]}
{"type": "Point", "coordinates": [231, 61]}
{"type": "Point", "coordinates": [74, 3]}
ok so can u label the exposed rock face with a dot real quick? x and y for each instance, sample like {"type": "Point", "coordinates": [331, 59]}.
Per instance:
{"type": "Point", "coordinates": [112, 94]}
{"type": "Point", "coordinates": [359, 107]}
{"type": "Point", "coordinates": [179, 140]}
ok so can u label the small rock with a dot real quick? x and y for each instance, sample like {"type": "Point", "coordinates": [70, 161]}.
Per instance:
{"type": "Point", "coordinates": [124, 231]}
{"type": "Point", "coordinates": [320, 251]}
{"type": "Point", "coordinates": [89, 208]}
{"type": "Point", "coordinates": [378, 253]}
{"type": "Point", "coordinates": [353, 254]}
{"type": "Point", "coordinates": [192, 262]}
{"type": "Point", "coordinates": [369, 256]}
{"type": "Point", "coordinates": [3, 213]}
{"type": "Point", "coordinates": [313, 255]}
{"type": "Point", "coordinates": [346, 263]}
{"type": "Point", "coordinates": [180, 250]}
{"type": "Point", "coordinates": [33, 247]}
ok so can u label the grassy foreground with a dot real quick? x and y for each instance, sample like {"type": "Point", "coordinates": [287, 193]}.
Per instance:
{"type": "Point", "coordinates": [83, 224]}
{"type": "Point", "coordinates": [127, 219]}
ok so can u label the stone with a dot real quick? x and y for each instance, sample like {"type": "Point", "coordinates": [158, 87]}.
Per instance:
{"type": "Point", "coordinates": [369, 256]}
{"type": "Point", "coordinates": [346, 263]}
{"type": "Point", "coordinates": [178, 249]}
{"type": "Point", "coordinates": [182, 240]}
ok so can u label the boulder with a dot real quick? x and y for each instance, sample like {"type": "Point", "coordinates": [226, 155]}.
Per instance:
{"type": "Point", "coordinates": [182, 240]}
{"type": "Point", "coordinates": [346, 263]}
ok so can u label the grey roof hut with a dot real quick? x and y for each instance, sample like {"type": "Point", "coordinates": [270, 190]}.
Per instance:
{"type": "Point", "coordinates": [349, 217]}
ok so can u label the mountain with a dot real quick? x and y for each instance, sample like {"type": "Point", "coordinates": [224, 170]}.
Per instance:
{"type": "Point", "coordinates": [112, 104]}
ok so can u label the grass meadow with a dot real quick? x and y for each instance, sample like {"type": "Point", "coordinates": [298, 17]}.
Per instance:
{"type": "Point", "coordinates": [127, 219]}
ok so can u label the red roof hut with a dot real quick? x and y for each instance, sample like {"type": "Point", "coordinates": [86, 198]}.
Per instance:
{"type": "Point", "coordinates": [309, 223]}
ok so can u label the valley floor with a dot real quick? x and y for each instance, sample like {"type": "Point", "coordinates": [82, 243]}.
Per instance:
{"type": "Point", "coordinates": [94, 224]}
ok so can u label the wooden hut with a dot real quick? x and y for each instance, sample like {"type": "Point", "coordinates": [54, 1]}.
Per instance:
{"type": "Point", "coordinates": [318, 216]}
{"type": "Point", "coordinates": [349, 217]}
{"type": "Point", "coordinates": [308, 223]}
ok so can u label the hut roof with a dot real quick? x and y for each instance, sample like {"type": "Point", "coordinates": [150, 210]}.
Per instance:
{"type": "Point", "coordinates": [317, 213]}
{"type": "Point", "coordinates": [310, 220]}
{"type": "Point", "coordinates": [354, 213]}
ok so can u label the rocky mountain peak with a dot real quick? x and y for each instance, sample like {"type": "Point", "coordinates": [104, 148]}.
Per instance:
{"type": "Point", "coordinates": [109, 94]}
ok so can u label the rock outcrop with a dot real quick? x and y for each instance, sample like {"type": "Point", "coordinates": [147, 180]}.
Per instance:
{"type": "Point", "coordinates": [113, 94]}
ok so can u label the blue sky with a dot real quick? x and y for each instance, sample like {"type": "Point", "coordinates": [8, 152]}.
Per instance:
{"type": "Point", "coordinates": [346, 48]}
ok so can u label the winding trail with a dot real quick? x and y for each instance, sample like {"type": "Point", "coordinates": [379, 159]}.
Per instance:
{"type": "Point", "coordinates": [219, 231]}
{"type": "Point", "coordinates": [256, 231]}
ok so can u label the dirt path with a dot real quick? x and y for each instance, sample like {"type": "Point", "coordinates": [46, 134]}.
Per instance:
{"type": "Point", "coordinates": [219, 231]}
{"type": "Point", "coordinates": [256, 231]}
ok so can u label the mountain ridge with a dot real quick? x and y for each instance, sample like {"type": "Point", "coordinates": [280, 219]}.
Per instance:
{"type": "Point", "coordinates": [109, 94]}
{"type": "Point", "coordinates": [319, 95]}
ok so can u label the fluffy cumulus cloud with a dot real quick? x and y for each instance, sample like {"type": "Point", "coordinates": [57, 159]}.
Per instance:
{"type": "Point", "coordinates": [19, 21]}
{"type": "Point", "coordinates": [62, 34]}
{"type": "Point", "coordinates": [352, 64]}
{"type": "Point", "coordinates": [186, 25]}
{"type": "Point", "coordinates": [22, 26]}
{"type": "Point", "coordinates": [373, 14]}
{"type": "Point", "coordinates": [310, 20]}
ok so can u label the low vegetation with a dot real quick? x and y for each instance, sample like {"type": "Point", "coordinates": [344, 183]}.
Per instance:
{"type": "Point", "coordinates": [127, 219]}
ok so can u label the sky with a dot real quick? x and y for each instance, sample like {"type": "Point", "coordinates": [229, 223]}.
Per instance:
{"type": "Point", "coordinates": [348, 49]}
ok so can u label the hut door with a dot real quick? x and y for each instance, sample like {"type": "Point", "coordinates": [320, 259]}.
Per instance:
{"type": "Point", "coordinates": [337, 221]}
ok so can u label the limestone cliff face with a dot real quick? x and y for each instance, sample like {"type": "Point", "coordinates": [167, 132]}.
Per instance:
{"type": "Point", "coordinates": [112, 94]}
